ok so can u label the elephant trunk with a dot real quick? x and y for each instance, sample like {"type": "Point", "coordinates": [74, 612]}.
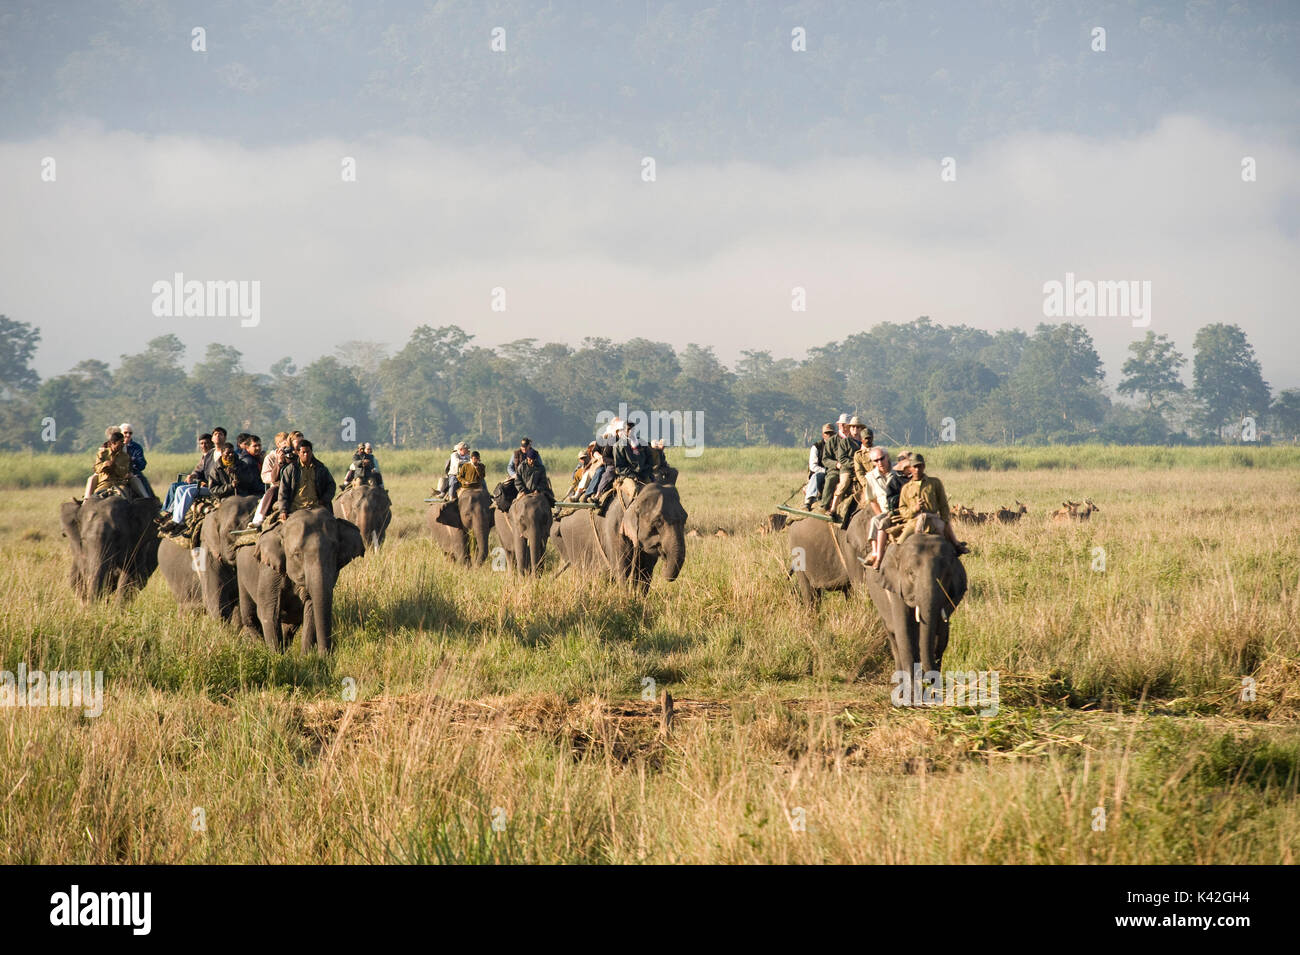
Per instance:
{"type": "Point", "coordinates": [674, 550]}
{"type": "Point", "coordinates": [321, 593]}
{"type": "Point", "coordinates": [932, 608]}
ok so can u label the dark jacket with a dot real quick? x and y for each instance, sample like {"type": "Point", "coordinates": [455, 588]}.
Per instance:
{"type": "Point", "coordinates": [136, 454]}
{"type": "Point", "coordinates": [291, 475]}
{"type": "Point", "coordinates": [631, 462]}
{"type": "Point", "coordinates": [203, 470]}
{"type": "Point", "coordinates": [820, 447]}
{"type": "Point", "coordinates": [893, 486]}
{"type": "Point", "coordinates": [248, 475]}
{"type": "Point", "coordinates": [531, 477]}
{"type": "Point", "coordinates": [223, 480]}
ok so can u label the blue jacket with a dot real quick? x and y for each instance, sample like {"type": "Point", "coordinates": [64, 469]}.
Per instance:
{"type": "Point", "coordinates": [136, 454]}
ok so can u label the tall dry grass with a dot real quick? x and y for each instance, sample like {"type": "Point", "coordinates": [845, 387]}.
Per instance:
{"type": "Point", "coordinates": [483, 697]}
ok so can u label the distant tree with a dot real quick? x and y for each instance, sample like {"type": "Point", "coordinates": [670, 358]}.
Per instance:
{"type": "Point", "coordinates": [1284, 415]}
{"type": "Point", "coordinates": [957, 389]}
{"type": "Point", "coordinates": [1153, 371]}
{"type": "Point", "coordinates": [152, 391]}
{"type": "Point", "coordinates": [19, 414]}
{"type": "Point", "coordinates": [1226, 376]}
{"type": "Point", "coordinates": [18, 342]}
{"type": "Point", "coordinates": [328, 395]}
{"type": "Point", "coordinates": [1056, 389]}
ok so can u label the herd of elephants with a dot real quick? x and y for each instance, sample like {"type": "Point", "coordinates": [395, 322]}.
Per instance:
{"type": "Point", "coordinates": [281, 582]}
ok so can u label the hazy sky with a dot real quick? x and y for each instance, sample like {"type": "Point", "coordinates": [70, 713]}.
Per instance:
{"type": "Point", "coordinates": [523, 170]}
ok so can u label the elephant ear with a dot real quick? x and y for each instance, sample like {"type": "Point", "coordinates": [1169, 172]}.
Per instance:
{"type": "Point", "coordinates": [671, 506]}
{"type": "Point", "coordinates": [69, 512]}
{"type": "Point", "coordinates": [956, 581]}
{"type": "Point", "coordinates": [629, 525]}
{"type": "Point", "coordinates": [449, 515]}
{"type": "Point", "coordinates": [349, 542]}
{"type": "Point", "coordinates": [270, 550]}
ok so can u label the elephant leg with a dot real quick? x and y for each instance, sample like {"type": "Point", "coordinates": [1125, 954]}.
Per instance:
{"type": "Point", "coordinates": [308, 638]}
{"type": "Point", "coordinates": [248, 610]}
{"type": "Point", "coordinates": [270, 588]}
{"type": "Point", "coordinates": [806, 593]}
{"type": "Point", "coordinates": [905, 655]}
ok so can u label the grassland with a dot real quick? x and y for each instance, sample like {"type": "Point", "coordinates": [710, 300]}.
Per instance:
{"type": "Point", "coordinates": [482, 697]}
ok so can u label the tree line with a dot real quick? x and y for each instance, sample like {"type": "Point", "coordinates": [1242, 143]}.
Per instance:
{"type": "Point", "coordinates": [915, 383]}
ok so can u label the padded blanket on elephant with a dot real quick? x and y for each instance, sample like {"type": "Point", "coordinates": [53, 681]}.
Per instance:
{"type": "Point", "coordinates": [200, 509]}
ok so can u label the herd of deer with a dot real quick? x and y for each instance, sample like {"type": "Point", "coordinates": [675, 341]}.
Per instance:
{"type": "Point", "coordinates": [1068, 511]}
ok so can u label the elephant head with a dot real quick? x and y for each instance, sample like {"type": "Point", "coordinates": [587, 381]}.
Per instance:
{"type": "Point", "coordinates": [453, 522]}
{"type": "Point", "coordinates": [525, 529]}
{"type": "Point", "coordinates": [113, 544]}
{"type": "Point", "coordinates": [315, 546]}
{"type": "Point", "coordinates": [653, 525]}
{"type": "Point", "coordinates": [370, 508]}
{"type": "Point", "coordinates": [215, 560]}
{"type": "Point", "coordinates": [916, 591]}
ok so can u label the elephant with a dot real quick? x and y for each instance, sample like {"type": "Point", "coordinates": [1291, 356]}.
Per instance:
{"type": "Point", "coordinates": [370, 508]}
{"type": "Point", "coordinates": [179, 567]}
{"type": "Point", "coordinates": [916, 591]}
{"type": "Point", "coordinates": [524, 531]}
{"type": "Point", "coordinates": [114, 544]}
{"type": "Point", "coordinates": [216, 557]}
{"type": "Point", "coordinates": [825, 557]}
{"type": "Point", "coordinates": [287, 578]}
{"type": "Point", "coordinates": [629, 540]}
{"type": "Point", "coordinates": [452, 522]}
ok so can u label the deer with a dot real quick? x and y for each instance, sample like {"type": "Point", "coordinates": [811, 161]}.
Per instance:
{"type": "Point", "coordinates": [1006, 515]}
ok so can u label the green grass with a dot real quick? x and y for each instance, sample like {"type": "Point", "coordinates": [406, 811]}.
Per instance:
{"type": "Point", "coordinates": [478, 692]}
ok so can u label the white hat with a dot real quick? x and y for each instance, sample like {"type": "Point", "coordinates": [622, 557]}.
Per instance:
{"type": "Point", "coordinates": [843, 419]}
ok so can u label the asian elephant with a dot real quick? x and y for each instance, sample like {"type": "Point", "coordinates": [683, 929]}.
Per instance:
{"type": "Point", "coordinates": [114, 544]}
{"type": "Point", "coordinates": [630, 539]}
{"type": "Point", "coordinates": [179, 567]}
{"type": "Point", "coordinates": [823, 556]}
{"type": "Point", "coordinates": [916, 592]}
{"type": "Point", "coordinates": [452, 522]}
{"type": "Point", "coordinates": [216, 557]}
{"type": "Point", "coordinates": [288, 577]}
{"type": "Point", "coordinates": [524, 530]}
{"type": "Point", "coordinates": [369, 508]}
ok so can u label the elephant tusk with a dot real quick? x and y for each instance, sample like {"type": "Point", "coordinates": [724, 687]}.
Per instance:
{"type": "Point", "coordinates": [918, 614]}
{"type": "Point", "coordinates": [944, 614]}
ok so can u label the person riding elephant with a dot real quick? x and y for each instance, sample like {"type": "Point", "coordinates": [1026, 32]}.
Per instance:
{"type": "Point", "coordinates": [288, 577]}
{"type": "Point", "coordinates": [923, 498]}
{"type": "Point", "coordinates": [112, 471]}
{"type": "Point", "coordinates": [530, 478]}
{"type": "Point", "coordinates": [135, 452]}
{"type": "Point", "coordinates": [305, 483]}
